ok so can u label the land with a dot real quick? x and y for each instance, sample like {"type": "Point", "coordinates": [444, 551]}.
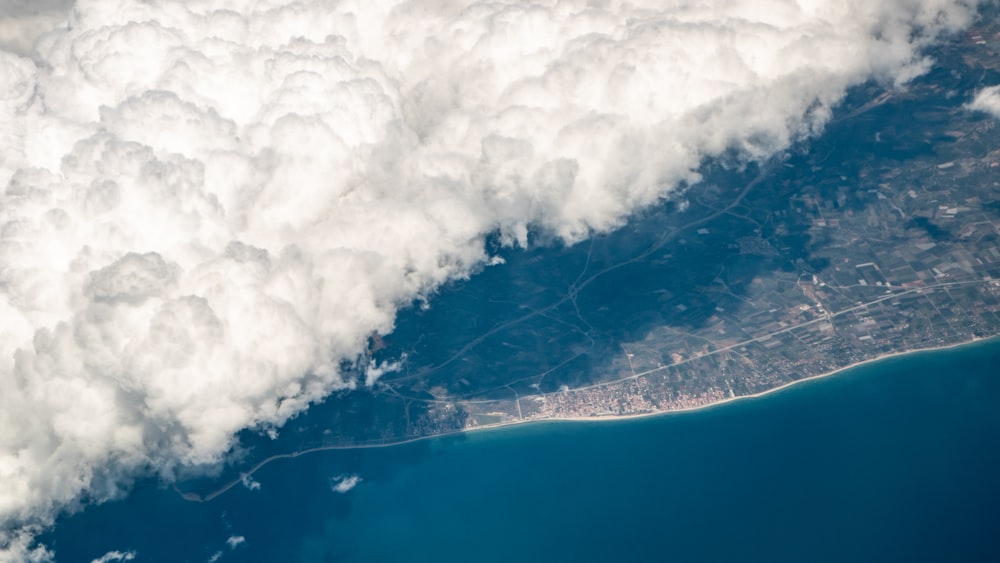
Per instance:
{"type": "Point", "coordinates": [879, 237]}
{"type": "Point", "coordinates": [882, 237]}
{"type": "Point", "coordinates": [244, 477]}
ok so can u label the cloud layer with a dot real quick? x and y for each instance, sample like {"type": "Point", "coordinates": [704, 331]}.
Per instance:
{"type": "Point", "coordinates": [22, 21]}
{"type": "Point", "coordinates": [208, 204]}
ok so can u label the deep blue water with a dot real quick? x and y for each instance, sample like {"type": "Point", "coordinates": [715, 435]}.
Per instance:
{"type": "Point", "coordinates": [895, 461]}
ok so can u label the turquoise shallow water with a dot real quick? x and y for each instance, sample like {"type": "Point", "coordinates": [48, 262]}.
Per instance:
{"type": "Point", "coordinates": [895, 461]}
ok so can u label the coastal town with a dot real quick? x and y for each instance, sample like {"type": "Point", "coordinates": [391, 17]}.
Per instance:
{"type": "Point", "coordinates": [905, 255]}
{"type": "Point", "coordinates": [879, 237]}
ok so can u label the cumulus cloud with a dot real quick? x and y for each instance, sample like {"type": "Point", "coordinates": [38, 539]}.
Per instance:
{"type": "Point", "coordinates": [207, 205]}
{"type": "Point", "coordinates": [344, 483]}
{"type": "Point", "coordinates": [234, 541]}
{"type": "Point", "coordinates": [988, 101]}
{"type": "Point", "coordinates": [22, 22]}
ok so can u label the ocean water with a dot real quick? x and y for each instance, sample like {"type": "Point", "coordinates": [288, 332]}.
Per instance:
{"type": "Point", "coordinates": [894, 461]}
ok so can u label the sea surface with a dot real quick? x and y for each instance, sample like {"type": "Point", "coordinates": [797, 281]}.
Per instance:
{"type": "Point", "coordinates": [897, 460]}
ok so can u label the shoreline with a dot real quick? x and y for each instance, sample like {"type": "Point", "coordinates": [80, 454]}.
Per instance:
{"type": "Point", "coordinates": [609, 418]}
{"type": "Point", "coordinates": [759, 394]}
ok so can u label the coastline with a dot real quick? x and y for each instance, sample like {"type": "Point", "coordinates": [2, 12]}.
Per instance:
{"type": "Point", "coordinates": [610, 418]}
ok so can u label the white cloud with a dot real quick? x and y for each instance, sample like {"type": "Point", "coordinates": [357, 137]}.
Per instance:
{"type": "Point", "coordinates": [22, 22]}
{"type": "Point", "coordinates": [344, 483]}
{"type": "Point", "coordinates": [250, 483]}
{"type": "Point", "coordinates": [988, 101]}
{"type": "Point", "coordinates": [115, 556]}
{"type": "Point", "coordinates": [18, 546]}
{"type": "Point", "coordinates": [208, 204]}
{"type": "Point", "coordinates": [373, 372]}
{"type": "Point", "coordinates": [234, 541]}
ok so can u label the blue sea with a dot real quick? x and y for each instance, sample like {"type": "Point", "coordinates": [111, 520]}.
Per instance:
{"type": "Point", "coordinates": [893, 461]}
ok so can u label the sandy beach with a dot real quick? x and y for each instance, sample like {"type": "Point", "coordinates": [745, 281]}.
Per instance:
{"type": "Point", "coordinates": [194, 497]}
{"type": "Point", "coordinates": [606, 418]}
